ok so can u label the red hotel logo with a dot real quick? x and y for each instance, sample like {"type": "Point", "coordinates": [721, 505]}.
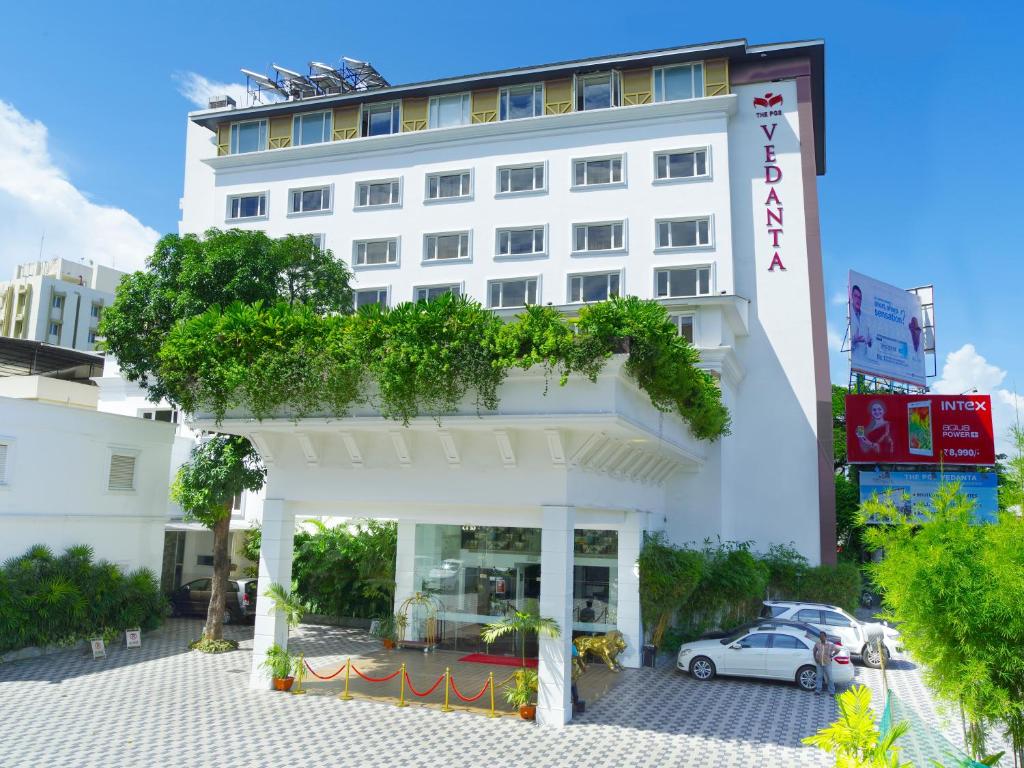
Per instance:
{"type": "Point", "coordinates": [767, 106]}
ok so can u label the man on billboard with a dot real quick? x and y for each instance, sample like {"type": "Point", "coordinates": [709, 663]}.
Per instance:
{"type": "Point", "coordinates": [860, 329]}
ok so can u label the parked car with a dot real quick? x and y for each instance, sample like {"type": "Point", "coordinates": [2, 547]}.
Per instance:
{"type": "Point", "coordinates": [810, 632]}
{"type": "Point", "coordinates": [194, 598]}
{"type": "Point", "coordinates": [782, 653]}
{"type": "Point", "coordinates": [833, 619]}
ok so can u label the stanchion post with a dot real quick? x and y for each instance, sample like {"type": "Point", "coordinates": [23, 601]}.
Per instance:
{"type": "Point", "coordinates": [401, 695]}
{"type": "Point", "coordinates": [447, 685]}
{"type": "Point", "coordinates": [490, 682]}
{"type": "Point", "coordinates": [300, 673]}
{"type": "Point", "coordinates": [345, 695]}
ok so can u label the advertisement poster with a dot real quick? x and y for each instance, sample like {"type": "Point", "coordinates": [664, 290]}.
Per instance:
{"type": "Point", "coordinates": [886, 332]}
{"type": "Point", "coordinates": [909, 490]}
{"type": "Point", "coordinates": [919, 429]}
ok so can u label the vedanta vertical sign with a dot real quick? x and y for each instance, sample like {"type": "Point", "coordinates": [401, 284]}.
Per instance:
{"type": "Point", "coordinates": [767, 108]}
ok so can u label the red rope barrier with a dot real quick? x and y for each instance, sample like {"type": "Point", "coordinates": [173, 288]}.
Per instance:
{"type": "Point", "coordinates": [417, 693]}
{"type": "Point", "coordinates": [375, 679]}
{"type": "Point", "coordinates": [321, 677]}
{"type": "Point", "coordinates": [474, 698]}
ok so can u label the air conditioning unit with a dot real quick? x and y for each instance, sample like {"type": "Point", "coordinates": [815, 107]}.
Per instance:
{"type": "Point", "coordinates": [222, 102]}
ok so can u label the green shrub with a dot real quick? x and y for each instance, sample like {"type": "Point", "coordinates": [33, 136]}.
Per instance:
{"type": "Point", "coordinates": [786, 567]}
{"type": "Point", "coordinates": [668, 576]}
{"type": "Point", "coordinates": [59, 600]}
{"type": "Point", "coordinates": [834, 584]}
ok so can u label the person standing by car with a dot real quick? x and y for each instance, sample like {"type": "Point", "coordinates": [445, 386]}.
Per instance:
{"type": "Point", "coordinates": [824, 652]}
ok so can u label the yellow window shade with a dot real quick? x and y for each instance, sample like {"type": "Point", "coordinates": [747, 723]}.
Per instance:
{"type": "Point", "coordinates": [485, 106]}
{"type": "Point", "coordinates": [636, 86]}
{"type": "Point", "coordinates": [716, 77]}
{"type": "Point", "coordinates": [346, 123]}
{"type": "Point", "coordinates": [223, 138]}
{"type": "Point", "coordinates": [414, 114]}
{"type": "Point", "coordinates": [557, 97]}
{"type": "Point", "coordinates": [280, 135]}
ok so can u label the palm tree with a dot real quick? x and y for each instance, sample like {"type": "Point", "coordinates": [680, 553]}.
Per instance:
{"type": "Point", "coordinates": [522, 623]}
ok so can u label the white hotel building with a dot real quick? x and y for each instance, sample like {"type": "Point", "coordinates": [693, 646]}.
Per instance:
{"type": "Point", "coordinates": [684, 175]}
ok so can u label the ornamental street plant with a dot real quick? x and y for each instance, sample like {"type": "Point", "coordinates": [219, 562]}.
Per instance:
{"type": "Point", "coordinates": [423, 358]}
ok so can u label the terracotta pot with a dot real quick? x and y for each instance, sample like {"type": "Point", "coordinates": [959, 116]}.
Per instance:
{"type": "Point", "coordinates": [528, 711]}
{"type": "Point", "coordinates": [389, 643]}
{"type": "Point", "coordinates": [283, 683]}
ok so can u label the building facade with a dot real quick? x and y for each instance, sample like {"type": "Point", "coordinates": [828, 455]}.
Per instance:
{"type": "Point", "coordinates": [686, 176]}
{"type": "Point", "coordinates": [58, 302]}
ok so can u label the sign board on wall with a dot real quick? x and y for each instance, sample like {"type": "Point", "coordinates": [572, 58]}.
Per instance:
{"type": "Point", "coordinates": [919, 429]}
{"type": "Point", "coordinates": [886, 331]}
{"type": "Point", "coordinates": [908, 491]}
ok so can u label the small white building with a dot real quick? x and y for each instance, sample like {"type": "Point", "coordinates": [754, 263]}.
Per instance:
{"type": "Point", "coordinates": [57, 301]}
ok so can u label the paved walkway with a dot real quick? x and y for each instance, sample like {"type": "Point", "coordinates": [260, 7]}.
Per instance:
{"type": "Point", "coordinates": [163, 705]}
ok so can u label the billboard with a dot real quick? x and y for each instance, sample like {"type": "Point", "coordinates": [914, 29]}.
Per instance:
{"type": "Point", "coordinates": [886, 331]}
{"type": "Point", "coordinates": [919, 429]}
{"type": "Point", "coordinates": [909, 490]}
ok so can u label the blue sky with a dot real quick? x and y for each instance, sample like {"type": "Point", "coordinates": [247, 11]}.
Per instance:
{"type": "Point", "coordinates": [924, 154]}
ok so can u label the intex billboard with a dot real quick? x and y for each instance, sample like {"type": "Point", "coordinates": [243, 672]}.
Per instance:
{"type": "Point", "coordinates": [919, 429]}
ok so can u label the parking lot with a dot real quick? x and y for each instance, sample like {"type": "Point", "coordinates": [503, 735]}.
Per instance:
{"type": "Point", "coordinates": [163, 705]}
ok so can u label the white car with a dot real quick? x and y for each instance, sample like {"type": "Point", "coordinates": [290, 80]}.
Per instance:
{"type": "Point", "coordinates": [833, 619]}
{"type": "Point", "coordinates": [783, 653]}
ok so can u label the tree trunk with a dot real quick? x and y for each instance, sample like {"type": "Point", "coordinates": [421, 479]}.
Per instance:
{"type": "Point", "coordinates": [221, 567]}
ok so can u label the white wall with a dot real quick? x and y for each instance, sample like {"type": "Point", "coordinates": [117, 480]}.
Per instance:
{"type": "Point", "coordinates": [57, 473]}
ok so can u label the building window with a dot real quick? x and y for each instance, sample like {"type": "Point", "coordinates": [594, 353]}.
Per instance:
{"type": "Point", "coordinates": [684, 233]}
{"type": "Point", "coordinates": [521, 178]}
{"type": "Point", "coordinates": [598, 287]}
{"type": "Point", "coordinates": [313, 128]}
{"type": "Point", "coordinates": [599, 91]}
{"type": "Point", "coordinates": [448, 111]}
{"type": "Point", "coordinates": [375, 252]}
{"type": "Point", "coordinates": [166, 415]}
{"type": "Point", "coordinates": [682, 282]}
{"type": "Point", "coordinates": [91, 337]}
{"type": "Point", "coordinates": [315, 200]}
{"type": "Point", "coordinates": [598, 237]}
{"type": "Point", "coordinates": [684, 326]}
{"type": "Point", "coordinates": [369, 296]}
{"type": "Point", "coordinates": [528, 241]}
{"type": "Point", "coordinates": [521, 101]}
{"type": "Point", "coordinates": [58, 301]}
{"type": "Point", "coordinates": [247, 206]}
{"type": "Point", "coordinates": [448, 186]}
{"type": "Point", "coordinates": [122, 473]}
{"type": "Point", "coordinates": [318, 240]}
{"type": "Point", "coordinates": [54, 329]}
{"type": "Point", "coordinates": [512, 293]}
{"type": "Point", "coordinates": [451, 245]}
{"type": "Point", "coordinates": [381, 119]}
{"type": "Point", "coordinates": [373, 194]}
{"type": "Point", "coordinates": [590, 173]}
{"type": "Point", "coordinates": [681, 165]}
{"type": "Point", "coordinates": [685, 81]}
{"type": "Point", "coordinates": [431, 292]}
{"type": "Point", "coordinates": [5, 452]}
{"type": "Point", "coordinates": [96, 311]}
{"type": "Point", "coordinates": [248, 137]}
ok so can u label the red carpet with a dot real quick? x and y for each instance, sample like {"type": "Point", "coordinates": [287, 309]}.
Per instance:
{"type": "Point", "coordinates": [505, 661]}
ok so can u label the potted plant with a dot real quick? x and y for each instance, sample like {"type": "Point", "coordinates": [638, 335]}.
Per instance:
{"type": "Point", "coordinates": [386, 628]}
{"type": "Point", "coordinates": [521, 623]}
{"type": "Point", "coordinates": [280, 664]}
{"type": "Point", "coordinates": [521, 691]}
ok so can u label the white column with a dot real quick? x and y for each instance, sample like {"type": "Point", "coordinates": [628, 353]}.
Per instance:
{"type": "Point", "coordinates": [628, 598]}
{"type": "Point", "coordinates": [405, 563]}
{"type": "Point", "coordinates": [554, 694]}
{"type": "Point", "coordinates": [275, 567]}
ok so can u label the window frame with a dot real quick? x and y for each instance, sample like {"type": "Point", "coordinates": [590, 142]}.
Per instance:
{"type": "Point", "coordinates": [588, 251]}
{"type": "Point", "coordinates": [676, 317]}
{"type": "Point", "coordinates": [428, 200]}
{"type": "Point", "coordinates": [619, 273]}
{"type": "Point", "coordinates": [709, 245]}
{"type": "Point", "coordinates": [328, 121]}
{"type": "Point", "coordinates": [467, 110]}
{"type": "Point", "coordinates": [58, 301]}
{"type": "Point", "coordinates": [364, 241]}
{"type": "Point", "coordinates": [369, 182]}
{"type": "Point", "coordinates": [538, 92]}
{"type": "Point", "coordinates": [621, 157]}
{"type": "Point", "coordinates": [235, 130]}
{"type": "Point", "coordinates": [541, 190]}
{"type": "Point", "coordinates": [498, 255]}
{"type": "Point", "coordinates": [468, 233]}
{"type": "Point", "coordinates": [512, 279]}
{"type": "Point", "coordinates": [356, 291]}
{"type": "Point", "coordinates": [706, 176]}
{"type": "Point", "coordinates": [459, 286]}
{"type": "Point", "coordinates": [329, 188]}
{"type": "Point", "coordinates": [365, 110]}
{"type": "Point", "coordinates": [656, 84]}
{"type": "Point", "coordinates": [265, 194]}
{"type": "Point", "coordinates": [11, 444]}
{"type": "Point", "coordinates": [709, 266]}
{"type": "Point", "coordinates": [615, 88]}
{"type": "Point", "coordinates": [118, 450]}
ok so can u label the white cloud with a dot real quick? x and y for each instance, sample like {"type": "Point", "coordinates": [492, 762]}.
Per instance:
{"type": "Point", "coordinates": [199, 90]}
{"type": "Point", "coordinates": [965, 370]}
{"type": "Point", "coordinates": [835, 339]}
{"type": "Point", "coordinates": [37, 200]}
{"type": "Point", "coordinates": [839, 298]}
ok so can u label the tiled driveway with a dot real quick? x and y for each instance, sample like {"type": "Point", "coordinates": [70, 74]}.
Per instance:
{"type": "Point", "coordinates": [165, 706]}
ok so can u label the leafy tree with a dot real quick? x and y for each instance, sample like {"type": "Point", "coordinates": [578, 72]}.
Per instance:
{"type": "Point", "coordinates": [1011, 474]}
{"type": "Point", "coordinates": [668, 576]}
{"type": "Point", "coordinates": [219, 468]}
{"type": "Point", "coordinates": [188, 274]}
